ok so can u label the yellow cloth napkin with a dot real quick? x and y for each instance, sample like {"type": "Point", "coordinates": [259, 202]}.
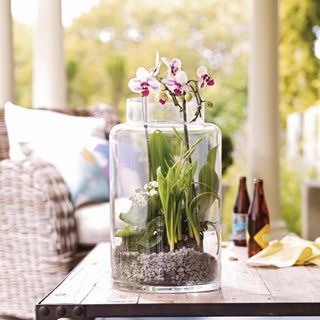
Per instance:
{"type": "Point", "coordinates": [289, 251]}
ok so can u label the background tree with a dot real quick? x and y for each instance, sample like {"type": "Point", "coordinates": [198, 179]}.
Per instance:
{"type": "Point", "coordinates": [117, 76]}
{"type": "Point", "coordinates": [23, 63]}
{"type": "Point", "coordinates": [125, 36]}
{"type": "Point", "coordinates": [299, 68]}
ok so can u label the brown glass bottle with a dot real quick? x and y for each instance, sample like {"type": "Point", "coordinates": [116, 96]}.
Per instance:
{"type": "Point", "coordinates": [240, 214]}
{"type": "Point", "coordinates": [258, 221]}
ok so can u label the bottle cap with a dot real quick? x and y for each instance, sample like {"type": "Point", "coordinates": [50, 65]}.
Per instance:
{"type": "Point", "coordinates": [257, 180]}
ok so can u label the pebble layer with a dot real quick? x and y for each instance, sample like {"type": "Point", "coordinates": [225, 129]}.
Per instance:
{"type": "Point", "coordinates": [182, 267]}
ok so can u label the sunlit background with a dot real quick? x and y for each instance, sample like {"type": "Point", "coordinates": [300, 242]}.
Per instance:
{"type": "Point", "coordinates": [105, 41]}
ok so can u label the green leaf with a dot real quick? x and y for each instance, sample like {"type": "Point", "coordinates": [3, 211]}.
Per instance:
{"type": "Point", "coordinates": [136, 216]}
{"type": "Point", "coordinates": [194, 168]}
{"type": "Point", "coordinates": [183, 145]}
{"type": "Point", "coordinates": [208, 184]}
{"type": "Point", "coordinates": [154, 206]}
{"type": "Point", "coordinates": [212, 155]}
{"type": "Point", "coordinates": [162, 187]}
{"type": "Point", "coordinates": [208, 179]}
{"type": "Point", "coordinates": [129, 231]}
{"type": "Point", "coordinates": [153, 233]}
{"type": "Point", "coordinates": [203, 201]}
{"type": "Point", "coordinates": [161, 153]}
{"type": "Point", "coordinates": [178, 136]}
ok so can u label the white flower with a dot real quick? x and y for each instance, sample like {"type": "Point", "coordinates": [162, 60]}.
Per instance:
{"type": "Point", "coordinates": [178, 83]}
{"type": "Point", "coordinates": [144, 82]}
{"type": "Point", "coordinates": [173, 65]}
{"type": "Point", "coordinates": [154, 184]}
{"type": "Point", "coordinates": [205, 79]}
{"type": "Point", "coordinates": [150, 185]}
{"type": "Point", "coordinates": [153, 192]}
{"type": "Point", "coordinates": [140, 199]}
{"type": "Point", "coordinates": [142, 203]}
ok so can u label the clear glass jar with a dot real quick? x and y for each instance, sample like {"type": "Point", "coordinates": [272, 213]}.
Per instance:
{"type": "Point", "coordinates": [165, 200]}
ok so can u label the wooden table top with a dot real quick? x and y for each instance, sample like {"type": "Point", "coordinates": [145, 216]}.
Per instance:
{"type": "Point", "coordinates": [246, 291]}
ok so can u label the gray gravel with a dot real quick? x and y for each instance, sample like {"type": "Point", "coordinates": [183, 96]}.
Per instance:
{"type": "Point", "coordinates": [185, 266]}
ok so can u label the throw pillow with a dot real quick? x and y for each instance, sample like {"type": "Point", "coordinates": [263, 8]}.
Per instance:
{"type": "Point", "coordinates": [32, 125]}
{"type": "Point", "coordinates": [84, 167]}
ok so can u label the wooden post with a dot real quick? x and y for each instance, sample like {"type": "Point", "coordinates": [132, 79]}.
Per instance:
{"type": "Point", "coordinates": [6, 54]}
{"type": "Point", "coordinates": [49, 80]}
{"type": "Point", "coordinates": [263, 105]}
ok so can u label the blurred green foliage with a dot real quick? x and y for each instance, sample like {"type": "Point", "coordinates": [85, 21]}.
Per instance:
{"type": "Point", "coordinates": [290, 194]}
{"type": "Point", "coordinates": [118, 36]}
{"type": "Point", "coordinates": [22, 42]}
{"type": "Point", "coordinates": [227, 152]}
{"type": "Point", "coordinates": [299, 68]}
{"type": "Point", "coordinates": [116, 72]}
{"type": "Point", "coordinates": [299, 89]}
{"type": "Point", "coordinates": [104, 47]}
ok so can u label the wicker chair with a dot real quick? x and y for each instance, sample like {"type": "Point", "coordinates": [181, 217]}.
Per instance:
{"type": "Point", "coordinates": [38, 237]}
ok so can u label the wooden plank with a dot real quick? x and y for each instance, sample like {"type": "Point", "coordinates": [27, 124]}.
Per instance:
{"type": "Point", "coordinates": [294, 284]}
{"type": "Point", "coordinates": [315, 271]}
{"type": "Point", "coordinates": [103, 293]}
{"type": "Point", "coordinates": [82, 279]}
{"type": "Point", "coordinates": [239, 282]}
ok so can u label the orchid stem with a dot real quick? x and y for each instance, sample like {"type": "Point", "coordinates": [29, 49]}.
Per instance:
{"type": "Point", "coordinates": [185, 128]}
{"type": "Point", "coordinates": [186, 137]}
{"type": "Point", "coordinates": [145, 124]}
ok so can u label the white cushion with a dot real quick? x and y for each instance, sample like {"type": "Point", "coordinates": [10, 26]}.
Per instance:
{"type": "Point", "coordinates": [41, 126]}
{"type": "Point", "coordinates": [93, 221]}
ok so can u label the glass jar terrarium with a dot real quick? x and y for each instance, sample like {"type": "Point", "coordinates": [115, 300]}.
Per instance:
{"type": "Point", "coordinates": [165, 199]}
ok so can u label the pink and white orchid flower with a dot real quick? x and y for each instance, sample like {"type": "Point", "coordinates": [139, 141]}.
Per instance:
{"type": "Point", "coordinates": [173, 65]}
{"type": "Point", "coordinates": [178, 83]}
{"type": "Point", "coordinates": [144, 82]}
{"type": "Point", "coordinates": [205, 79]}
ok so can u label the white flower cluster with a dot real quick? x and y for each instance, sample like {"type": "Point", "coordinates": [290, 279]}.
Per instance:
{"type": "Point", "coordinates": [141, 196]}
{"type": "Point", "coordinates": [151, 188]}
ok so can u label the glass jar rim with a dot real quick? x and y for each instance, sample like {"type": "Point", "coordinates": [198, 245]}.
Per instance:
{"type": "Point", "coordinates": [149, 110]}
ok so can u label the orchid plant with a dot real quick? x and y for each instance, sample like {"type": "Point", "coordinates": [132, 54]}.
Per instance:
{"type": "Point", "coordinates": [170, 197]}
{"type": "Point", "coordinates": [174, 85]}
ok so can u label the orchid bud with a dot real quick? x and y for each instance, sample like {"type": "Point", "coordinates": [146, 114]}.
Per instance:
{"type": "Point", "coordinates": [188, 96]}
{"type": "Point", "coordinates": [162, 97]}
{"type": "Point", "coordinates": [208, 104]}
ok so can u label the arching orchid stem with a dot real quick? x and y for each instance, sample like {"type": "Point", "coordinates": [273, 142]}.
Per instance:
{"type": "Point", "coordinates": [186, 138]}
{"type": "Point", "coordinates": [172, 95]}
{"type": "Point", "coordinates": [198, 98]}
{"type": "Point", "coordinates": [145, 124]}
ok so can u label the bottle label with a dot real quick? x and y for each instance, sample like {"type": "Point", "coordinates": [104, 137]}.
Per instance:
{"type": "Point", "coordinates": [263, 236]}
{"type": "Point", "coordinates": [239, 226]}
